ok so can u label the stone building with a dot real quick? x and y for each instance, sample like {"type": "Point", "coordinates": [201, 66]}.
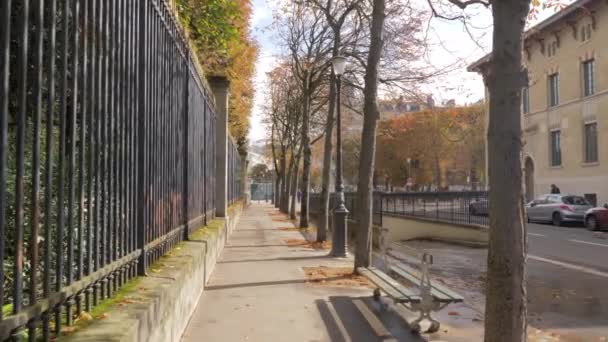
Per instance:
{"type": "Point", "coordinates": [565, 105]}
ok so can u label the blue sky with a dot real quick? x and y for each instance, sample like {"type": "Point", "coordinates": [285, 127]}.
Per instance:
{"type": "Point", "coordinates": [449, 41]}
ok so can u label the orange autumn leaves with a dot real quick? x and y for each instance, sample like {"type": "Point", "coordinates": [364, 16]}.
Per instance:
{"type": "Point", "coordinates": [435, 141]}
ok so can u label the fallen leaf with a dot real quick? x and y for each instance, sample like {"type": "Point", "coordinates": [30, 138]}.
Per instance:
{"type": "Point", "coordinates": [85, 316]}
{"type": "Point", "coordinates": [68, 329]}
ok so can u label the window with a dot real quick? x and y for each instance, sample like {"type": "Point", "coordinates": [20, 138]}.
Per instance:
{"type": "Point", "coordinates": [588, 77]}
{"type": "Point", "coordinates": [525, 100]}
{"type": "Point", "coordinates": [553, 90]}
{"type": "Point", "coordinates": [556, 148]}
{"type": "Point", "coordinates": [552, 49]}
{"type": "Point", "coordinates": [592, 199]}
{"type": "Point", "coordinates": [574, 200]}
{"type": "Point", "coordinates": [590, 137]}
{"type": "Point", "coordinates": [585, 32]}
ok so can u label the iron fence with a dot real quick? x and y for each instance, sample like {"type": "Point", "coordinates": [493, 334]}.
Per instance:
{"type": "Point", "coordinates": [107, 153]}
{"type": "Point", "coordinates": [452, 207]}
{"type": "Point", "coordinates": [262, 191]}
{"type": "Point", "coordinates": [350, 200]}
{"type": "Point", "coordinates": [470, 207]}
{"type": "Point", "coordinates": [234, 172]}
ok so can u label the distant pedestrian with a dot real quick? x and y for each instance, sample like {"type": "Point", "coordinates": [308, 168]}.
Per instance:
{"type": "Point", "coordinates": [299, 196]}
{"type": "Point", "coordinates": [555, 189]}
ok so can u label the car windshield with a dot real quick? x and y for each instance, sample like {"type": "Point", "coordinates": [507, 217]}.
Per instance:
{"type": "Point", "coordinates": [574, 200]}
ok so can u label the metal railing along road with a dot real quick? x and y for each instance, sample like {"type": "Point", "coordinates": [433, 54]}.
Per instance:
{"type": "Point", "coordinates": [107, 153]}
{"type": "Point", "coordinates": [461, 207]}
{"type": "Point", "coordinates": [350, 200]}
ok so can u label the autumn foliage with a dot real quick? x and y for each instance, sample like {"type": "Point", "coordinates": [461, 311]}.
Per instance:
{"type": "Point", "coordinates": [445, 146]}
{"type": "Point", "coordinates": [219, 32]}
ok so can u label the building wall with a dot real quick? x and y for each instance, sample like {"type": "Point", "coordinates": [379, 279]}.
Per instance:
{"type": "Point", "coordinates": [573, 111]}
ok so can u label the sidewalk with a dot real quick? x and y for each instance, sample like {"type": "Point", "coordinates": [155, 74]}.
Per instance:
{"type": "Point", "coordinates": [260, 292]}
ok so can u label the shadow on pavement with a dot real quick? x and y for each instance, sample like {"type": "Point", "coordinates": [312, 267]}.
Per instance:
{"type": "Point", "coordinates": [359, 319]}
{"type": "Point", "coordinates": [271, 283]}
{"type": "Point", "coordinates": [276, 259]}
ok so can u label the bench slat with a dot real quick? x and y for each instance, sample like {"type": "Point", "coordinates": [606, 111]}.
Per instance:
{"type": "Point", "coordinates": [400, 287]}
{"type": "Point", "coordinates": [439, 292]}
{"type": "Point", "coordinates": [395, 293]}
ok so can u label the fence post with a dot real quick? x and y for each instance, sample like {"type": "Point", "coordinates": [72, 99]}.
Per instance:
{"type": "Point", "coordinates": [141, 130]}
{"type": "Point", "coordinates": [220, 86]}
{"type": "Point", "coordinates": [186, 164]}
{"type": "Point", "coordinates": [244, 190]}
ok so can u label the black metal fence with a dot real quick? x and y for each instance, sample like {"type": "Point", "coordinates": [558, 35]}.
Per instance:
{"type": "Point", "coordinates": [107, 151]}
{"type": "Point", "coordinates": [261, 191]}
{"type": "Point", "coordinates": [350, 199]}
{"type": "Point", "coordinates": [452, 207]}
{"type": "Point", "coordinates": [234, 172]}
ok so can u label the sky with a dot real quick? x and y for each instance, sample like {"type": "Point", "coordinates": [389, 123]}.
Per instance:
{"type": "Point", "coordinates": [448, 42]}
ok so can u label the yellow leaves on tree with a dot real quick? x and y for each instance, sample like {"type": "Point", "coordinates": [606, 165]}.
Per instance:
{"type": "Point", "coordinates": [219, 31]}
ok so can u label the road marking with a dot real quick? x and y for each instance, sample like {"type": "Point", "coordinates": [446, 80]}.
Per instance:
{"type": "Point", "coordinates": [536, 234]}
{"type": "Point", "coordinates": [589, 243]}
{"type": "Point", "coordinates": [569, 266]}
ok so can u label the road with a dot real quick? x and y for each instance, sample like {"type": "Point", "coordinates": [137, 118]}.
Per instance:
{"type": "Point", "coordinates": [567, 278]}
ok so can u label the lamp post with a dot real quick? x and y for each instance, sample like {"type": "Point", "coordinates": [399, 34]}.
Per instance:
{"type": "Point", "coordinates": [409, 174]}
{"type": "Point", "coordinates": [340, 212]}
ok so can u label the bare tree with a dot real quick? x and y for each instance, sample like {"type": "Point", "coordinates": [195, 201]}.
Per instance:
{"type": "Point", "coordinates": [504, 76]}
{"type": "Point", "coordinates": [336, 15]}
{"type": "Point", "coordinates": [368, 136]}
{"type": "Point", "coordinates": [307, 39]}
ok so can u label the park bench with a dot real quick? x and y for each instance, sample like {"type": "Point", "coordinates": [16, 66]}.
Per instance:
{"type": "Point", "coordinates": [430, 297]}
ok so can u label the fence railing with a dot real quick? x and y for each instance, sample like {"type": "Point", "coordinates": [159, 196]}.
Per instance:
{"type": "Point", "coordinates": [451, 207]}
{"type": "Point", "coordinates": [261, 191]}
{"type": "Point", "coordinates": [350, 199]}
{"type": "Point", "coordinates": [107, 132]}
{"type": "Point", "coordinates": [234, 172]}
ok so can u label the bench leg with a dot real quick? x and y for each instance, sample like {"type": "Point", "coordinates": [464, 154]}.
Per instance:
{"type": "Point", "coordinates": [425, 314]}
{"type": "Point", "coordinates": [377, 294]}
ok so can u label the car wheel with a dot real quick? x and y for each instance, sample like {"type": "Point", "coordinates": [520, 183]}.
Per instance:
{"type": "Point", "coordinates": [591, 223]}
{"type": "Point", "coordinates": [557, 219]}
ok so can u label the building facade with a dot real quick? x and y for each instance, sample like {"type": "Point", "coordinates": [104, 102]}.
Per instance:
{"type": "Point", "coordinates": [565, 105]}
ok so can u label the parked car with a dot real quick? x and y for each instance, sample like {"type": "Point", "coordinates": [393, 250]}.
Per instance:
{"type": "Point", "coordinates": [558, 209]}
{"type": "Point", "coordinates": [597, 218]}
{"type": "Point", "coordinates": [479, 207]}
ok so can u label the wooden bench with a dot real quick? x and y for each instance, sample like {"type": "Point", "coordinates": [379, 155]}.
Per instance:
{"type": "Point", "coordinates": [430, 297]}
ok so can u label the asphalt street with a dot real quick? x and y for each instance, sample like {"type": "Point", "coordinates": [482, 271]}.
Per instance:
{"type": "Point", "coordinates": [567, 278]}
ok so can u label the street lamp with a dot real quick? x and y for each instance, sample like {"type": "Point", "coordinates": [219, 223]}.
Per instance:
{"type": "Point", "coordinates": [409, 174]}
{"type": "Point", "coordinates": [340, 212]}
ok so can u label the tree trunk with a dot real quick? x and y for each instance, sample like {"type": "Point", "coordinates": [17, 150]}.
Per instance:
{"type": "Point", "coordinates": [368, 138]}
{"type": "Point", "coordinates": [327, 152]}
{"type": "Point", "coordinates": [294, 186]}
{"type": "Point", "coordinates": [288, 187]}
{"type": "Point", "coordinates": [283, 178]}
{"type": "Point", "coordinates": [506, 288]}
{"type": "Point", "coordinates": [307, 154]}
{"type": "Point", "coordinates": [276, 193]}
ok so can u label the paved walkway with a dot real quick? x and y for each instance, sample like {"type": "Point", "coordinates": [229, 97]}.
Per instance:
{"type": "Point", "coordinates": [259, 292]}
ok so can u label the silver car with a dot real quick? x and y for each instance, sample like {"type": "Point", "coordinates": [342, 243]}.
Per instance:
{"type": "Point", "coordinates": [558, 209]}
